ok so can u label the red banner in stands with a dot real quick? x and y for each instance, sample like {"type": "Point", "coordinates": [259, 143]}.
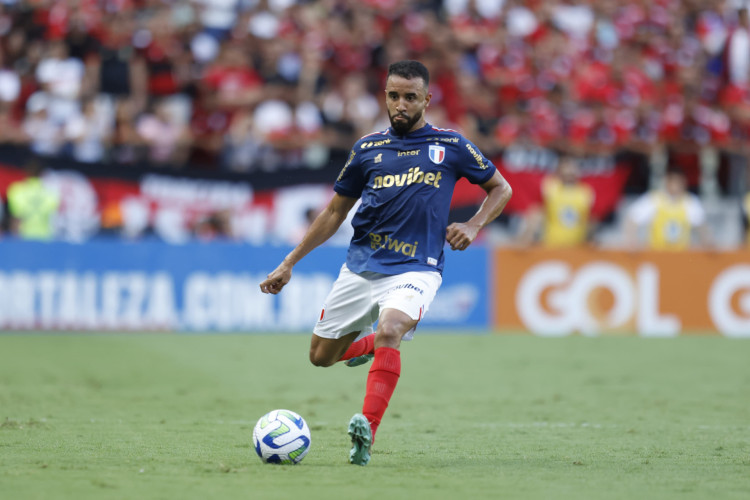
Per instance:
{"type": "Point", "coordinates": [176, 206]}
{"type": "Point", "coordinates": [524, 169]}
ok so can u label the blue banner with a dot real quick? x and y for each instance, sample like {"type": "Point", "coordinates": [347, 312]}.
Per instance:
{"type": "Point", "coordinates": [149, 285]}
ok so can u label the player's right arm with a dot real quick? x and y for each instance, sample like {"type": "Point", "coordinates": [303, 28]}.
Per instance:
{"type": "Point", "coordinates": [323, 227]}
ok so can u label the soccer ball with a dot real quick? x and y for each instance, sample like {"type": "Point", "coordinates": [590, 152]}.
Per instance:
{"type": "Point", "coordinates": [281, 437]}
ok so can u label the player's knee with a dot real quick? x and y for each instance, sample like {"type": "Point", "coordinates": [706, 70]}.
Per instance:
{"type": "Point", "coordinates": [389, 335]}
{"type": "Point", "coordinates": [322, 359]}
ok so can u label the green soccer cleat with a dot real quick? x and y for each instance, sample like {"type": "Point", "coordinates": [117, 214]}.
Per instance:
{"type": "Point", "coordinates": [361, 434]}
{"type": "Point", "coordinates": [359, 360]}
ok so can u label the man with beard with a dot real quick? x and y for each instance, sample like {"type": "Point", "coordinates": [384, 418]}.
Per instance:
{"type": "Point", "coordinates": [404, 177]}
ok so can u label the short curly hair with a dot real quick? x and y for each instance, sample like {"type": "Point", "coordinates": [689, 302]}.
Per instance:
{"type": "Point", "coordinates": [409, 70]}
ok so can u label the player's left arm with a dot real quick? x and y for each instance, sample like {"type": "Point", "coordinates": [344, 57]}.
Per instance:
{"type": "Point", "coordinates": [461, 234]}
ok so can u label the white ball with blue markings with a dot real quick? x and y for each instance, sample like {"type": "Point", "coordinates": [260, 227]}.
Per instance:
{"type": "Point", "coordinates": [281, 437]}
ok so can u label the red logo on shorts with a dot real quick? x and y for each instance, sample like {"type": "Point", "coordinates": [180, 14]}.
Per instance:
{"type": "Point", "coordinates": [322, 312]}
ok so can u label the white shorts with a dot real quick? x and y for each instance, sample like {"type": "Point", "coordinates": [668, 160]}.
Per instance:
{"type": "Point", "coordinates": [355, 301]}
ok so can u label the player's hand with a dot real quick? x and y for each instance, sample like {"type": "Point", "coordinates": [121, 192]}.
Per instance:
{"type": "Point", "coordinates": [276, 280]}
{"type": "Point", "coordinates": [460, 235]}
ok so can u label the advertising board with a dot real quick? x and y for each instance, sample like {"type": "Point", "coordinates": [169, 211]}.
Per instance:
{"type": "Point", "coordinates": [150, 285]}
{"type": "Point", "coordinates": [592, 292]}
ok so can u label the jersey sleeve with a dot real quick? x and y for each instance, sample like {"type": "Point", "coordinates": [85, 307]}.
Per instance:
{"type": "Point", "coordinates": [473, 164]}
{"type": "Point", "coordinates": [351, 179]}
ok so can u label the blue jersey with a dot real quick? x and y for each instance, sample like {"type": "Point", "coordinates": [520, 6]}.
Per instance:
{"type": "Point", "coordinates": [406, 184]}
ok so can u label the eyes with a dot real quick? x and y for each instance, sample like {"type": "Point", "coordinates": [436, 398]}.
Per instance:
{"type": "Point", "coordinates": [393, 96]}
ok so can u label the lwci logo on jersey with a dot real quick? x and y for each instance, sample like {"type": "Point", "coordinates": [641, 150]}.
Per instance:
{"type": "Point", "coordinates": [437, 154]}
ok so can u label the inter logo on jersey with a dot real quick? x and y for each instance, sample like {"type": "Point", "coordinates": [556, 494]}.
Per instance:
{"type": "Point", "coordinates": [437, 154]}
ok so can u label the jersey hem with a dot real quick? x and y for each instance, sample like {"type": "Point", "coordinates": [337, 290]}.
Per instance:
{"type": "Point", "coordinates": [389, 270]}
{"type": "Point", "coordinates": [491, 172]}
{"type": "Point", "coordinates": [344, 192]}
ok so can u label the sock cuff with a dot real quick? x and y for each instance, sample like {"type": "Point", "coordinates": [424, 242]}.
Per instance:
{"type": "Point", "coordinates": [387, 359]}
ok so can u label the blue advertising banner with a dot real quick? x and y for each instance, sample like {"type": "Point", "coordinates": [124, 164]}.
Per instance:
{"type": "Point", "coordinates": [149, 285]}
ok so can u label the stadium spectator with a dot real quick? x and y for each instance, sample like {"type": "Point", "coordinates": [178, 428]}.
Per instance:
{"type": "Point", "coordinates": [564, 219]}
{"type": "Point", "coordinates": [10, 82]}
{"type": "Point", "coordinates": [90, 132]}
{"type": "Point", "coordinates": [61, 78]}
{"type": "Point", "coordinates": [32, 205]}
{"type": "Point", "coordinates": [116, 69]}
{"type": "Point", "coordinates": [11, 131]}
{"type": "Point", "coordinates": [287, 124]}
{"type": "Point", "coordinates": [351, 107]}
{"type": "Point", "coordinates": [209, 124]}
{"type": "Point", "coordinates": [738, 51]}
{"type": "Point", "coordinates": [243, 149]}
{"type": "Point", "coordinates": [232, 80]}
{"type": "Point", "coordinates": [690, 125]}
{"type": "Point", "coordinates": [165, 135]}
{"type": "Point", "coordinates": [166, 55]}
{"type": "Point", "coordinates": [217, 16]}
{"type": "Point", "coordinates": [671, 216]}
{"type": "Point", "coordinates": [127, 145]}
{"type": "Point", "coordinates": [45, 134]}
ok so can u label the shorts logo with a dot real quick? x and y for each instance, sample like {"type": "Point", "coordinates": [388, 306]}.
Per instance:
{"type": "Point", "coordinates": [437, 154]}
{"type": "Point", "coordinates": [408, 286]}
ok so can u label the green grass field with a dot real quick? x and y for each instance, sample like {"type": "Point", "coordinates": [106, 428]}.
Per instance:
{"type": "Point", "coordinates": [169, 416]}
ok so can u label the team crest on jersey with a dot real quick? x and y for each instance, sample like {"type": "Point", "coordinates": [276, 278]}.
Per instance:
{"type": "Point", "coordinates": [437, 154]}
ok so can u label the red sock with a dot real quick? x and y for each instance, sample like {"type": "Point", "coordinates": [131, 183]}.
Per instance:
{"type": "Point", "coordinates": [360, 347]}
{"type": "Point", "coordinates": [381, 381]}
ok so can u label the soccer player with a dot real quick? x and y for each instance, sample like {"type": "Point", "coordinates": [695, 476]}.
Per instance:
{"type": "Point", "coordinates": [404, 177]}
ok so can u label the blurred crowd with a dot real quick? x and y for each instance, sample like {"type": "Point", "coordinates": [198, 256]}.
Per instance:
{"type": "Point", "coordinates": [248, 85]}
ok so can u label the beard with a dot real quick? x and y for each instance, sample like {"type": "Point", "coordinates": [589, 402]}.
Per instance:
{"type": "Point", "coordinates": [404, 126]}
